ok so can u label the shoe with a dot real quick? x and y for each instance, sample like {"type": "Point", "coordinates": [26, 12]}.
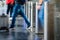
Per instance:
{"type": "Point", "coordinates": [28, 26]}
{"type": "Point", "coordinates": [7, 14]}
{"type": "Point", "coordinates": [11, 27]}
{"type": "Point", "coordinates": [30, 29]}
{"type": "Point", "coordinates": [10, 16]}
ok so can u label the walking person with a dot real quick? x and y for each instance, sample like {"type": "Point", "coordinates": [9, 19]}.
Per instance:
{"type": "Point", "coordinates": [41, 12]}
{"type": "Point", "coordinates": [10, 5]}
{"type": "Point", "coordinates": [19, 9]}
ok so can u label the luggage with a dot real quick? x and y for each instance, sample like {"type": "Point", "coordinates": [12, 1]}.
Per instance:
{"type": "Point", "coordinates": [4, 22]}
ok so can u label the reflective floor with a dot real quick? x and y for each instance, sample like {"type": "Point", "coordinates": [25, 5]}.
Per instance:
{"type": "Point", "coordinates": [20, 35]}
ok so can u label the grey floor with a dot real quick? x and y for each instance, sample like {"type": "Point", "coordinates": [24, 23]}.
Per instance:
{"type": "Point", "coordinates": [19, 35]}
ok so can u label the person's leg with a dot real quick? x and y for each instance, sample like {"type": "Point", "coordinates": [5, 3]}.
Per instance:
{"type": "Point", "coordinates": [8, 8]}
{"type": "Point", "coordinates": [11, 10]}
{"type": "Point", "coordinates": [41, 15]}
{"type": "Point", "coordinates": [24, 16]}
{"type": "Point", "coordinates": [15, 13]}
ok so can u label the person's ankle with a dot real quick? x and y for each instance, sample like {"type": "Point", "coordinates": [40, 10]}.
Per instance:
{"type": "Point", "coordinates": [28, 26]}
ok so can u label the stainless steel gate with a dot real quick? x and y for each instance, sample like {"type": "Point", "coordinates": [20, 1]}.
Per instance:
{"type": "Point", "coordinates": [32, 14]}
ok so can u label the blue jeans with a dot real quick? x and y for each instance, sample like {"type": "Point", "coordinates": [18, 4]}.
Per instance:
{"type": "Point", "coordinates": [41, 15]}
{"type": "Point", "coordinates": [18, 9]}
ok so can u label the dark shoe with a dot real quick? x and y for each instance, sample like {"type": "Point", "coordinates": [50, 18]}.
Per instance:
{"type": "Point", "coordinates": [7, 14]}
{"type": "Point", "coordinates": [11, 27]}
{"type": "Point", "coordinates": [28, 26]}
{"type": "Point", "coordinates": [10, 16]}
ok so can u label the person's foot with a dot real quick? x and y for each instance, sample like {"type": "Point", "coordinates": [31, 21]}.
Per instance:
{"type": "Point", "coordinates": [28, 26]}
{"type": "Point", "coordinates": [10, 16]}
{"type": "Point", "coordinates": [12, 28]}
{"type": "Point", "coordinates": [7, 14]}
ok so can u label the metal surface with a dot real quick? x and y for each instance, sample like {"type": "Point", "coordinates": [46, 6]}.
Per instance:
{"type": "Point", "coordinates": [56, 24]}
{"type": "Point", "coordinates": [32, 14]}
{"type": "Point", "coordinates": [4, 21]}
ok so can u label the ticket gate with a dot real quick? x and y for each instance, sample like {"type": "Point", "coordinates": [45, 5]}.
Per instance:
{"type": "Point", "coordinates": [32, 14]}
{"type": "Point", "coordinates": [56, 23]}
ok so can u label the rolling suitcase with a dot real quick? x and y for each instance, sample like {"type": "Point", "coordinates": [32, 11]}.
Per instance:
{"type": "Point", "coordinates": [4, 22]}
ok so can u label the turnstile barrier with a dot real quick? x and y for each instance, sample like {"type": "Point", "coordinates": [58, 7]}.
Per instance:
{"type": "Point", "coordinates": [32, 14]}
